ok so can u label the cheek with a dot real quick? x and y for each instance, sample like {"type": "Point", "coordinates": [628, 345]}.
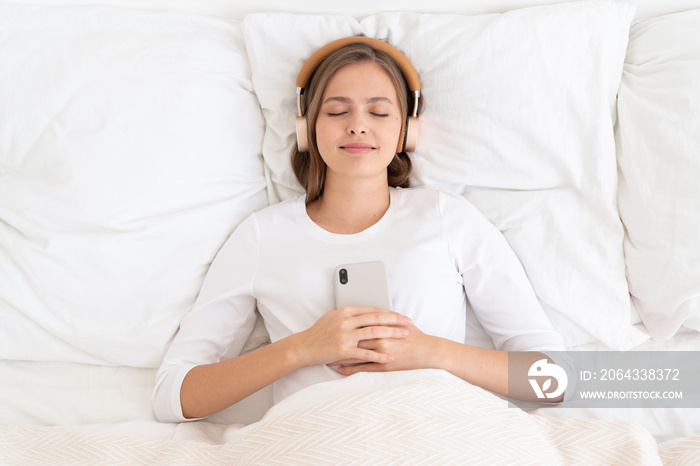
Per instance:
{"type": "Point", "coordinates": [394, 130]}
{"type": "Point", "coordinates": [322, 132]}
{"type": "Point", "coordinates": [398, 123]}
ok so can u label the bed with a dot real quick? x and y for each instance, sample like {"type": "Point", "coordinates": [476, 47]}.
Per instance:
{"type": "Point", "coordinates": [135, 136]}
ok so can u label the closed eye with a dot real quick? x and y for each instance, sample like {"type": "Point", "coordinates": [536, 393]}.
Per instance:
{"type": "Point", "coordinates": [381, 115]}
{"type": "Point", "coordinates": [336, 114]}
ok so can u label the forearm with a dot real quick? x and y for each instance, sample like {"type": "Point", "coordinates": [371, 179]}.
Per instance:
{"type": "Point", "coordinates": [485, 368]}
{"type": "Point", "coordinates": [488, 369]}
{"type": "Point", "coordinates": [210, 388]}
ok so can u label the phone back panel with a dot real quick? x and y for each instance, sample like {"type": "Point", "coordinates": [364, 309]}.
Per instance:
{"type": "Point", "coordinates": [362, 284]}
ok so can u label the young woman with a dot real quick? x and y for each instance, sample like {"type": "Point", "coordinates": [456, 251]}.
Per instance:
{"type": "Point", "coordinates": [440, 251]}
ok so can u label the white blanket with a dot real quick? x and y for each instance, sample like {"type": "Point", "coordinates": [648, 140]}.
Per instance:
{"type": "Point", "coordinates": [416, 417]}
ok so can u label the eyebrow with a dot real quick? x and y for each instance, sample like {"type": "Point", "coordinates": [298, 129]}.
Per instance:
{"type": "Point", "coordinates": [370, 100]}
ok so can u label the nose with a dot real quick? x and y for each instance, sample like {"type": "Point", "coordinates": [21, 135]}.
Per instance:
{"type": "Point", "coordinates": [357, 125]}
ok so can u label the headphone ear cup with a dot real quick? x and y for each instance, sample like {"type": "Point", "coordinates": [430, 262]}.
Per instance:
{"type": "Point", "coordinates": [408, 142]}
{"type": "Point", "coordinates": [302, 134]}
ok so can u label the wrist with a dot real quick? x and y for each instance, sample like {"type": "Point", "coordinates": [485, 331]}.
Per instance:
{"type": "Point", "coordinates": [295, 352]}
{"type": "Point", "coordinates": [441, 356]}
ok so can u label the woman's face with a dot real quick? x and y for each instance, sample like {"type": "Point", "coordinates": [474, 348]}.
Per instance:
{"type": "Point", "coordinates": [359, 123]}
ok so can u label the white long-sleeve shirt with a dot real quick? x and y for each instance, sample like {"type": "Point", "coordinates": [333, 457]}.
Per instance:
{"type": "Point", "coordinates": [439, 250]}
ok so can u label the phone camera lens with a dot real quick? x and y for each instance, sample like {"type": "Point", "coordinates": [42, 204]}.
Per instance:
{"type": "Point", "coordinates": [343, 275]}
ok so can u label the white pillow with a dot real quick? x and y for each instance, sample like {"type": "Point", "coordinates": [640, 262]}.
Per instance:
{"type": "Point", "coordinates": [129, 150]}
{"type": "Point", "coordinates": [659, 138]}
{"type": "Point", "coordinates": [278, 44]}
{"type": "Point", "coordinates": [519, 119]}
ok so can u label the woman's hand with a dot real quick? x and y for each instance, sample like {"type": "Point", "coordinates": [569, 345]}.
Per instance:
{"type": "Point", "coordinates": [415, 351]}
{"type": "Point", "coordinates": [486, 368]}
{"type": "Point", "coordinates": [338, 333]}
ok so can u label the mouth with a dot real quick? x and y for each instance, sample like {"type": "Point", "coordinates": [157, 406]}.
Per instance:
{"type": "Point", "coordinates": [357, 147]}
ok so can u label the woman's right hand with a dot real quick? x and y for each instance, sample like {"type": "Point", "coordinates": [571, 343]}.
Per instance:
{"type": "Point", "coordinates": [335, 336]}
{"type": "Point", "coordinates": [209, 388]}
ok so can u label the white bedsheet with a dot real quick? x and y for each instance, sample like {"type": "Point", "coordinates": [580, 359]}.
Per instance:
{"type": "Point", "coordinates": [414, 417]}
{"type": "Point", "coordinates": [117, 400]}
{"type": "Point", "coordinates": [665, 424]}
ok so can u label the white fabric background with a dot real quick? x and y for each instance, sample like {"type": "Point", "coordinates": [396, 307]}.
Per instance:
{"type": "Point", "coordinates": [123, 168]}
{"type": "Point", "coordinates": [659, 157]}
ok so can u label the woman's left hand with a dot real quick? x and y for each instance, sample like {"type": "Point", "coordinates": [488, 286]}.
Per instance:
{"type": "Point", "coordinates": [416, 351]}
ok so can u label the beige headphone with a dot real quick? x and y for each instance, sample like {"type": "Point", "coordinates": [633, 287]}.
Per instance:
{"type": "Point", "coordinates": [407, 141]}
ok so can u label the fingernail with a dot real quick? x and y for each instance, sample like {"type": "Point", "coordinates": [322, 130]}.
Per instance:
{"type": "Point", "coordinates": [404, 333]}
{"type": "Point", "coordinates": [407, 320]}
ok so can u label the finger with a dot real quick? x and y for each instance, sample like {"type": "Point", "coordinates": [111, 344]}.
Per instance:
{"type": "Point", "coordinates": [360, 355]}
{"type": "Point", "coordinates": [363, 344]}
{"type": "Point", "coordinates": [367, 344]}
{"type": "Point", "coordinates": [346, 361]}
{"type": "Point", "coordinates": [372, 356]}
{"type": "Point", "coordinates": [369, 367]}
{"type": "Point", "coordinates": [379, 332]}
{"type": "Point", "coordinates": [384, 317]}
{"type": "Point", "coordinates": [374, 345]}
{"type": "Point", "coordinates": [360, 310]}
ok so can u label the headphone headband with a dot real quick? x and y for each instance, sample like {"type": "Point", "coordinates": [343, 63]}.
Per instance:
{"type": "Point", "coordinates": [321, 54]}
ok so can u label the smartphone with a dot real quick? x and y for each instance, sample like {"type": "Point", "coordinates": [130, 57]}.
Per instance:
{"type": "Point", "coordinates": [362, 284]}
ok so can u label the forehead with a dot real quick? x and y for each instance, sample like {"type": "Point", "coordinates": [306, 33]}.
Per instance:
{"type": "Point", "coordinates": [366, 78]}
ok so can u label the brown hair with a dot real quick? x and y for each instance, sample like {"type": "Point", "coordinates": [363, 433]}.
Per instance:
{"type": "Point", "coordinates": [309, 167]}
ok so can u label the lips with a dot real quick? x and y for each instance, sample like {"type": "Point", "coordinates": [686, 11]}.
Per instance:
{"type": "Point", "coordinates": [357, 147]}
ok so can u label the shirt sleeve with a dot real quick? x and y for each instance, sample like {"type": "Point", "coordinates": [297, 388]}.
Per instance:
{"type": "Point", "coordinates": [219, 323]}
{"type": "Point", "coordinates": [495, 282]}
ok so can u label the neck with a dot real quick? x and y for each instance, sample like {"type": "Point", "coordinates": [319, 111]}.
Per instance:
{"type": "Point", "coordinates": [349, 210]}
